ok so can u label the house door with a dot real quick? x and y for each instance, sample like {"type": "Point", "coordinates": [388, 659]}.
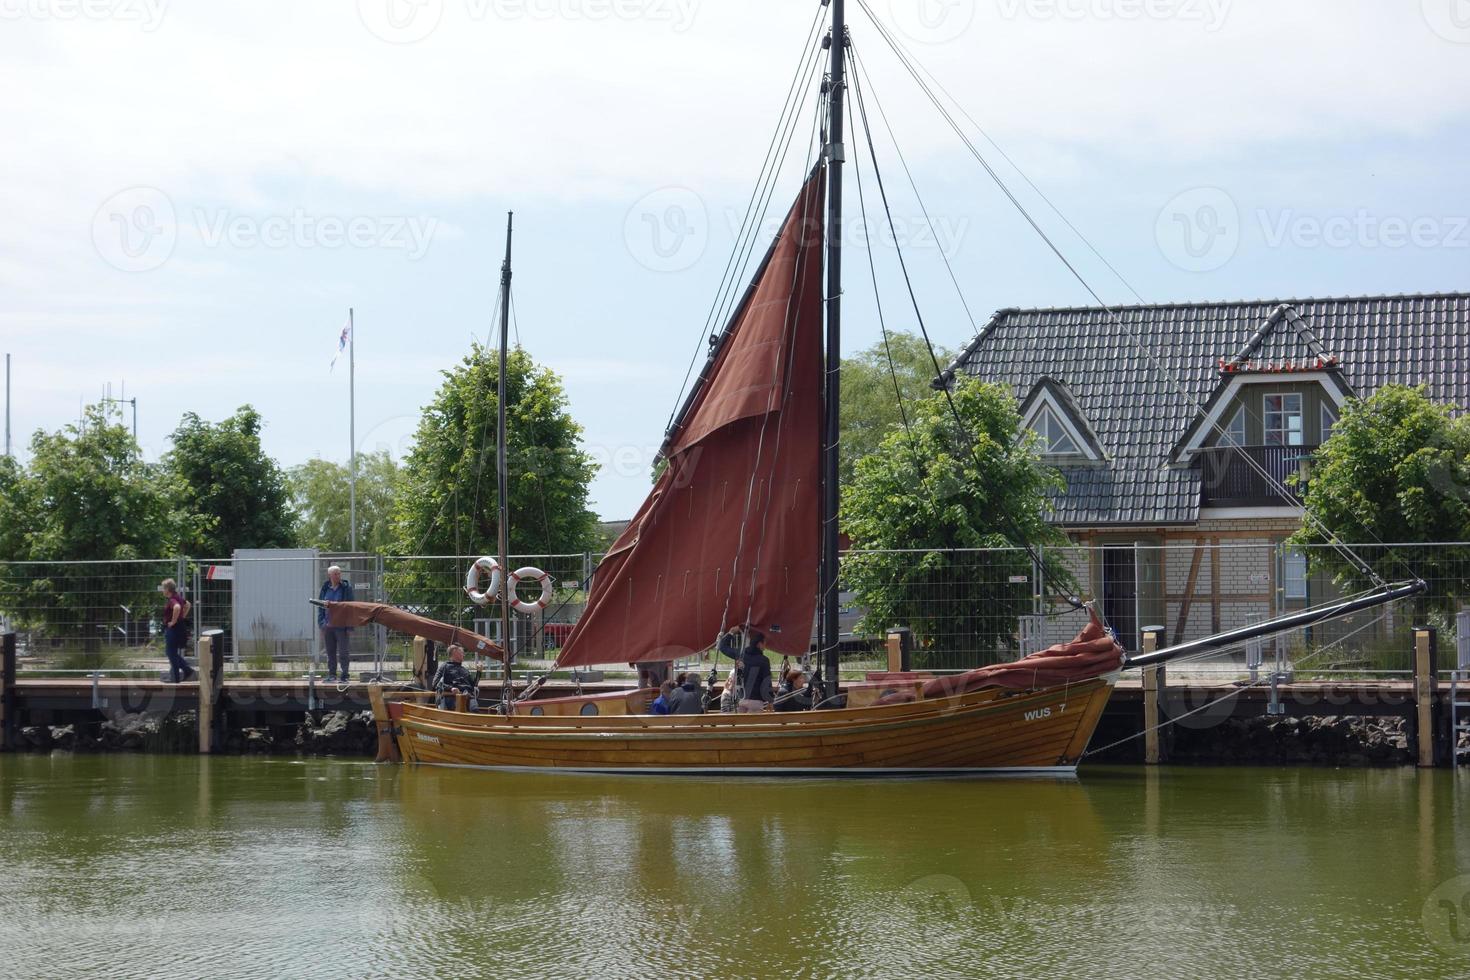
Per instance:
{"type": "Point", "coordinates": [1120, 593]}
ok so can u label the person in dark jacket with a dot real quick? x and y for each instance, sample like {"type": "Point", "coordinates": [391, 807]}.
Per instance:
{"type": "Point", "coordinates": [453, 677]}
{"type": "Point", "coordinates": [754, 667]}
{"type": "Point", "coordinates": [688, 697]}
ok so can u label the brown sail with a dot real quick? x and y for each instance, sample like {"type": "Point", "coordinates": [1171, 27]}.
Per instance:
{"type": "Point", "coordinates": [729, 534]}
{"type": "Point", "coordinates": [352, 614]}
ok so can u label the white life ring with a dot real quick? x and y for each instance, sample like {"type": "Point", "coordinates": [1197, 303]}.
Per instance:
{"type": "Point", "coordinates": [472, 580]}
{"type": "Point", "coordinates": [547, 591]}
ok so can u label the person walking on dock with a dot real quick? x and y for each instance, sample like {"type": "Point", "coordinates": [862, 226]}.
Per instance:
{"type": "Point", "coordinates": [337, 641]}
{"type": "Point", "coordinates": [175, 631]}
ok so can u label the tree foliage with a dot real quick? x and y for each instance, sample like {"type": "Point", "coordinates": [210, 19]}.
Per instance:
{"type": "Point", "coordinates": [237, 492]}
{"type": "Point", "coordinates": [927, 489]}
{"type": "Point", "coordinates": [319, 491]}
{"type": "Point", "coordinates": [1396, 470]}
{"type": "Point", "coordinates": [447, 500]}
{"type": "Point", "coordinates": [870, 406]}
{"type": "Point", "coordinates": [86, 496]}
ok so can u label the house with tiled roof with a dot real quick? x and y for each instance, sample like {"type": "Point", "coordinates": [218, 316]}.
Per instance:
{"type": "Point", "coordinates": [1176, 428]}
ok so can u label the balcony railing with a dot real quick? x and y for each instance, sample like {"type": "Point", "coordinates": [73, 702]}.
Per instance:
{"type": "Point", "coordinates": [1251, 476]}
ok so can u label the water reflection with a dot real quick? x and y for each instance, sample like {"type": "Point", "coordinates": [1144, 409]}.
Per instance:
{"type": "Point", "coordinates": [157, 866]}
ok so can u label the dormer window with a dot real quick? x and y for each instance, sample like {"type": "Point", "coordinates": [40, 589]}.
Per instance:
{"type": "Point", "coordinates": [1329, 419]}
{"type": "Point", "coordinates": [1055, 441]}
{"type": "Point", "coordinates": [1053, 414]}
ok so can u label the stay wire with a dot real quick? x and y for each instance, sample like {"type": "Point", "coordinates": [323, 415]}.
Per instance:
{"type": "Point", "coordinates": [963, 429]}
{"type": "Point", "coordinates": [789, 106]}
{"type": "Point", "coordinates": [907, 62]}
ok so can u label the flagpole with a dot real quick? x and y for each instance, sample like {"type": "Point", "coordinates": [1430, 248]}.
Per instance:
{"type": "Point", "coordinates": [352, 430]}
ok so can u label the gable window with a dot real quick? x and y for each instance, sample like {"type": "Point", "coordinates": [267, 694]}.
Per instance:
{"type": "Point", "coordinates": [1283, 420]}
{"type": "Point", "coordinates": [1055, 440]}
{"type": "Point", "coordinates": [1234, 434]}
{"type": "Point", "coordinates": [1329, 419]}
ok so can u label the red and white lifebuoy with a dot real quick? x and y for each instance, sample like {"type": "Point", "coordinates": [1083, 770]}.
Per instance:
{"type": "Point", "coordinates": [472, 580]}
{"type": "Point", "coordinates": [547, 591]}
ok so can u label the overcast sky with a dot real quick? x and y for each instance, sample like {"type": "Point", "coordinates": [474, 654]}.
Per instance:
{"type": "Point", "coordinates": [195, 192]}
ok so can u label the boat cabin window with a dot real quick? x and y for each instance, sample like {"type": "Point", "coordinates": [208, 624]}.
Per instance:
{"type": "Point", "coordinates": [589, 708]}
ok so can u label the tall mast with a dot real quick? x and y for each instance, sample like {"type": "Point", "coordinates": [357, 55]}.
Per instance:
{"type": "Point", "coordinates": [837, 85]}
{"type": "Point", "coordinates": [352, 432]}
{"type": "Point", "coordinates": [500, 469]}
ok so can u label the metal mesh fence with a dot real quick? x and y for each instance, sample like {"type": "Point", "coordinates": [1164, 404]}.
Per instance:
{"type": "Point", "coordinates": [965, 607]}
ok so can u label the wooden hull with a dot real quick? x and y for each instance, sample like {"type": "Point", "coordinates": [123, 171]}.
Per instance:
{"type": "Point", "coordinates": [982, 731]}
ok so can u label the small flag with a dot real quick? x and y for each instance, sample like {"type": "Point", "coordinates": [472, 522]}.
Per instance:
{"type": "Point", "coordinates": [341, 344]}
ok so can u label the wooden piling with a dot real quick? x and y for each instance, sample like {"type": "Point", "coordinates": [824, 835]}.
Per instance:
{"type": "Point", "coordinates": [9, 716]}
{"type": "Point", "coordinates": [387, 746]}
{"type": "Point", "coordinates": [1153, 683]}
{"type": "Point", "coordinates": [421, 662]}
{"type": "Point", "coordinates": [1424, 727]}
{"type": "Point", "coordinates": [211, 680]}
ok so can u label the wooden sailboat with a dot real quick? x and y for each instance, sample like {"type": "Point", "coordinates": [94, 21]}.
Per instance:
{"type": "Point", "coordinates": [740, 530]}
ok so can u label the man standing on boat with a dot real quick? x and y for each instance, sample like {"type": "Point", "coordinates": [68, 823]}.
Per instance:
{"type": "Point", "coordinates": [755, 670]}
{"type": "Point", "coordinates": [335, 640]}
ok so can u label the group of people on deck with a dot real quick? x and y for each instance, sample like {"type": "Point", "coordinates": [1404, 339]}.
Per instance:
{"type": "Point", "coordinates": [748, 688]}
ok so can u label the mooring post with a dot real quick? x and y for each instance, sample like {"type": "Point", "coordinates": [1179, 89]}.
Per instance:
{"type": "Point", "coordinates": [387, 747]}
{"type": "Point", "coordinates": [1153, 684]}
{"type": "Point", "coordinates": [420, 661]}
{"type": "Point", "coordinates": [9, 719]}
{"type": "Point", "coordinates": [1425, 729]}
{"type": "Point", "coordinates": [900, 650]}
{"type": "Point", "coordinates": [211, 679]}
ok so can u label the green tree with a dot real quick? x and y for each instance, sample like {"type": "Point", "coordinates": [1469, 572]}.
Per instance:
{"type": "Point", "coordinates": [928, 489]}
{"type": "Point", "coordinates": [87, 496]}
{"type": "Point", "coordinates": [237, 491]}
{"type": "Point", "coordinates": [1396, 470]}
{"type": "Point", "coordinates": [320, 493]}
{"type": "Point", "coordinates": [446, 502]}
{"type": "Point", "coordinates": [870, 406]}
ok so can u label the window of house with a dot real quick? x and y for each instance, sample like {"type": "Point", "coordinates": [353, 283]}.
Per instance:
{"type": "Point", "coordinates": [1294, 574]}
{"type": "Point", "coordinates": [1234, 434]}
{"type": "Point", "coordinates": [1329, 419]}
{"type": "Point", "coordinates": [1283, 420]}
{"type": "Point", "coordinates": [1055, 440]}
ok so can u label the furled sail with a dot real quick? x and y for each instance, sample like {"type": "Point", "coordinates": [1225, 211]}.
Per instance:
{"type": "Point", "coordinates": [729, 534]}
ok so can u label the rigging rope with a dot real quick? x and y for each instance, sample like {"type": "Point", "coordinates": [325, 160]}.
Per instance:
{"type": "Point", "coordinates": [963, 429]}
{"type": "Point", "coordinates": [907, 62]}
{"type": "Point", "coordinates": [739, 252]}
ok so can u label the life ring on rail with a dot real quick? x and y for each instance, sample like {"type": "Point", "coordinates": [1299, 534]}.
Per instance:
{"type": "Point", "coordinates": [472, 580]}
{"type": "Point", "coordinates": [522, 606]}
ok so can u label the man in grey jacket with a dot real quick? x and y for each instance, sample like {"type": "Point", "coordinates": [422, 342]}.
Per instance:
{"type": "Point", "coordinates": [688, 697]}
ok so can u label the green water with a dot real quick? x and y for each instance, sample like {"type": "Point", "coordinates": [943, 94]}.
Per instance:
{"type": "Point", "coordinates": [129, 866]}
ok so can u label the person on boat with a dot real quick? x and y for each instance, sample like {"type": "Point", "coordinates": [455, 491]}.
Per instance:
{"type": "Point", "coordinates": [791, 693]}
{"type": "Point", "coordinates": [688, 697]}
{"type": "Point", "coordinates": [454, 677]}
{"type": "Point", "coordinates": [756, 675]}
{"type": "Point", "coordinates": [660, 705]}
